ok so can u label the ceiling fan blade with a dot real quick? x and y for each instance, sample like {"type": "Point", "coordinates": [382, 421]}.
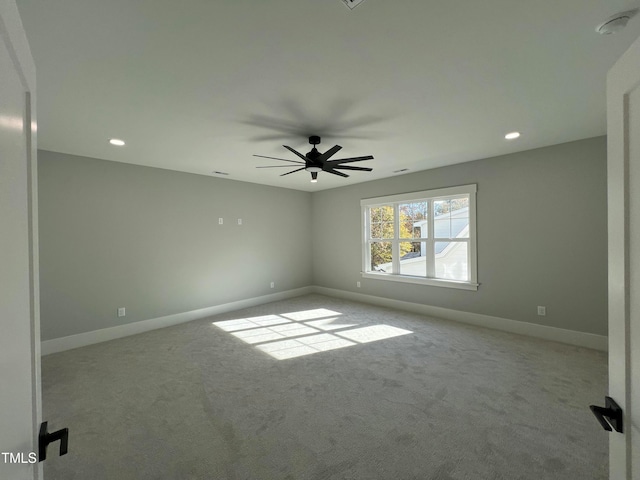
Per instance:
{"type": "Point", "coordinates": [362, 169]}
{"type": "Point", "coordinates": [340, 174]}
{"type": "Point", "coordinates": [329, 153]}
{"type": "Point", "coordinates": [274, 158]}
{"type": "Point", "coordinates": [297, 153]}
{"type": "Point", "coordinates": [276, 166]}
{"type": "Point", "coordinates": [347, 160]}
{"type": "Point", "coordinates": [292, 171]}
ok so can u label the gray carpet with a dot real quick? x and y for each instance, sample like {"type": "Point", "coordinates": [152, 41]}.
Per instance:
{"type": "Point", "coordinates": [349, 392]}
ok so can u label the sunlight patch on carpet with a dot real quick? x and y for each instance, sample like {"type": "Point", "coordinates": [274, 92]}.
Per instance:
{"type": "Point", "coordinates": [296, 334]}
{"type": "Point", "coordinates": [253, 322]}
{"type": "Point", "coordinates": [374, 333]}
{"type": "Point", "coordinates": [310, 314]}
{"type": "Point", "coordinates": [330, 324]}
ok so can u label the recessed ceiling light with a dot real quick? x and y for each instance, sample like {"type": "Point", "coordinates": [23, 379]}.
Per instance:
{"type": "Point", "coordinates": [116, 141]}
{"type": "Point", "coordinates": [512, 135]}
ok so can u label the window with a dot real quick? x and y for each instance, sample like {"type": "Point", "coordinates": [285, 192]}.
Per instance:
{"type": "Point", "coordinates": [422, 237]}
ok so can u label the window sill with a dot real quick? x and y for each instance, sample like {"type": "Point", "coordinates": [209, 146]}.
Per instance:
{"type": "Point", "coordinates": [421, 281]}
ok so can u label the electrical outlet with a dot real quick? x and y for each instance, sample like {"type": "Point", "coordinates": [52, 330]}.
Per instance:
{"type": "Point", "coordinates": [273, 284]}
{"type": "Point", "coordinates": [220, 221]}
{"type": "Point", "coordinates": [239, 221]}
{"type": "Point", "coordinates": [122, 312]}
{"type": "Point", "coordinates": [358, 284]}
{"type": "Point", "coordinates": [542, 311]}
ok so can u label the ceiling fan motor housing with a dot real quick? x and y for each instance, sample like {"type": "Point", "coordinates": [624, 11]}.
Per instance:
{"type": "Point", "coordinates": [313, 154]}
{"type": "Point", "coordinates": [312, 165]}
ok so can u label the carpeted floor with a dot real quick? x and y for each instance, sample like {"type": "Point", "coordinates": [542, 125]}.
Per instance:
{"type": "Point", "coordinates": [319, 388]}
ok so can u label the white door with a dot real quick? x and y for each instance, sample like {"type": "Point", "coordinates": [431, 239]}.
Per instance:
{"type": "Point", "coordinates": [623, 131]}
{"type": "Point", "coordinates": [19, 315]}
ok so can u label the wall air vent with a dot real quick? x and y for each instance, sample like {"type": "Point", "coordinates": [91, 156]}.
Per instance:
{"type": "Point", "coordinates": [352, 3]}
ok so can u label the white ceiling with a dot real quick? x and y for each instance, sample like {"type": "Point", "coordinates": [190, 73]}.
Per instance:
{"type": "Point", "coordinates": [202, 85]}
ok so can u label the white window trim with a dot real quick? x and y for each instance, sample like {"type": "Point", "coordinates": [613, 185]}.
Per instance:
{"type": "Point", "coordinates": [432, 195]}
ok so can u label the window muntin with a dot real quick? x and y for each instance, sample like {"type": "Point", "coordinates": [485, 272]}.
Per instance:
{"type": "Point", "coordinates": [422, 237]}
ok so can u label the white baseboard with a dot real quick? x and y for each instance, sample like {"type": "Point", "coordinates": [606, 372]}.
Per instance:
{"type": "Point", "coordinates": [589, 340]}
{"type": "Point", "coordinates": [572, 337]}
{"type": "Point", "coordinates": [97, 336]}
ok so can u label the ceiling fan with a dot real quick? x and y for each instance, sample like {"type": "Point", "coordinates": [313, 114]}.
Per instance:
{"type": "Point", "coordinates": [315, 162]}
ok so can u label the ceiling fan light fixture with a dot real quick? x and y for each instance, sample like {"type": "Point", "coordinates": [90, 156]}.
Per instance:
{"type": "Point", "coordinates": [313, 169]}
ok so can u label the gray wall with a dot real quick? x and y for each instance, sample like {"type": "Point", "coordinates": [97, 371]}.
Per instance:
{"type": "Point", "coordinates": [116, 235]}
{"type": "Point", "coordinates": [542, 236]}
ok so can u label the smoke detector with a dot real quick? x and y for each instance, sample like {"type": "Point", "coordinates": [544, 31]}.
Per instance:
{"type": "Point", "coordinates": [352, 3]}
{"type": "Point", "coordinates": [616, 22]}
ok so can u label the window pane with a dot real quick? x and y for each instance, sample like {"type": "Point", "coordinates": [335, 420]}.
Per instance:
{"type": "Point", "coordinates": [412, 259]}
{"type": "Point", "coordinates": [386, 213]}
{"type": "Point", "coordinates": [442, 219]}
{"type": "Point", "coordinates": [413, 220]}
{"type": "Point", "coordinates": [381, 221]}
{"type": "Point", "coordinates": [452, 260]}
{"type": "Point", "coordinates": [406, 224]}
{"type": "Point", "coordinates": [376, 230]}
{"type": "Point", "coordinates": [376, 215]}
{"type": "Point", "coordinates": [380, 257]}
{"type": "Point", "coordinates": [460, 218]}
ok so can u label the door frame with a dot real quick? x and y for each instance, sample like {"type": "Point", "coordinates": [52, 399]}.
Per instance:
{"type": "Point", "coordinates": [14, 37]}
{"type": "Point", "coordinates": [623, 78]}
